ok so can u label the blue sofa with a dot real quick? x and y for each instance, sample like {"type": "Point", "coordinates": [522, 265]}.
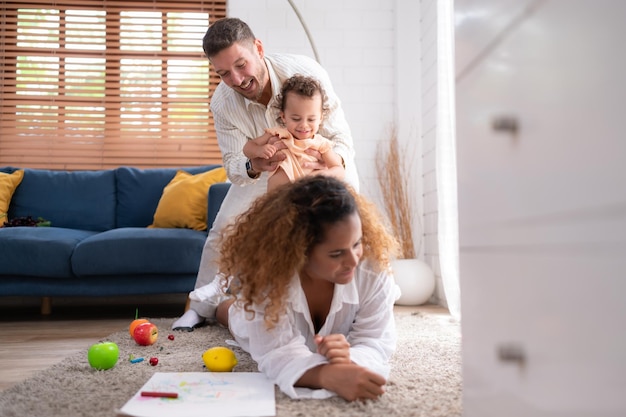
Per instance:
{"type": "Point", "coordinates": [98, 243]}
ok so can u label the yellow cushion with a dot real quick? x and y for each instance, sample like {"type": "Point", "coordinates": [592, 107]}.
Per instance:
{"type": "Point", "coordinates": [184, 200]}
{"type": "Point", "coordinates": [8, 184]}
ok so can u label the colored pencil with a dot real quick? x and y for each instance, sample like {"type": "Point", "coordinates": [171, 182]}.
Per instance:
{"type": "Point", "coordinates": [159, 394]}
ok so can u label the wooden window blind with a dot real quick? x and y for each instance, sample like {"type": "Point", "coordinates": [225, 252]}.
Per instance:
{"type": "Point", "coordinates": [98, 84]}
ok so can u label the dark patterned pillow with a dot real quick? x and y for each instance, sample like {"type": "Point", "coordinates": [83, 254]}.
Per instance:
{"type": "Point", "coordinates": [27, 221]}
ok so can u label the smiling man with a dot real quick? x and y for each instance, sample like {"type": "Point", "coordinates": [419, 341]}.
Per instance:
{"type": "Point", "coordinates": [243, 107]}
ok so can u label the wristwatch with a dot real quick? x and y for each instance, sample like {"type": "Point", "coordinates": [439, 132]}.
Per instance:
{"type": "Point", "coordinates": [251, 172]}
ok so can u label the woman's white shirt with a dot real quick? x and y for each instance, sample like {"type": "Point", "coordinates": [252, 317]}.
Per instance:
{"type": "Point", "coordinates": [362, 310]}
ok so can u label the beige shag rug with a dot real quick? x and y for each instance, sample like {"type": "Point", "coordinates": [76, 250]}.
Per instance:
{"type": "Point", "coordinates": [425, 379]}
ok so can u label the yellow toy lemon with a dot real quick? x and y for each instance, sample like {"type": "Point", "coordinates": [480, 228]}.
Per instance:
{"type": "Point", "coordinates": [219, 359]}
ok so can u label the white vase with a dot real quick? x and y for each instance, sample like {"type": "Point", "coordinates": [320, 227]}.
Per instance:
{"type": "Point", "coordinates": [416, 281]}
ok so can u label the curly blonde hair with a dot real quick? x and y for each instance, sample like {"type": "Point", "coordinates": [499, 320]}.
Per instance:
{"type": "Point", "coordinates": [267, 244]}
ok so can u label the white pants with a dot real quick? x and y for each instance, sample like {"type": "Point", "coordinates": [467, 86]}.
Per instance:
{"type": "Point", "coordinates": [237, 200]}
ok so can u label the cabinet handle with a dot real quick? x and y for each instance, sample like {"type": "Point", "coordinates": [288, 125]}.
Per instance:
{"type": "Point", "coordinates": [505, 124]}
{"type": "Point", "coordinates": [512, 352]}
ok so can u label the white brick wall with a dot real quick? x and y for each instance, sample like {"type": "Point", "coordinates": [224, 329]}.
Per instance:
{"type": "Point", "coordinates": [428, 41]}
{"type": "Point", "coordinates": [381, 58]}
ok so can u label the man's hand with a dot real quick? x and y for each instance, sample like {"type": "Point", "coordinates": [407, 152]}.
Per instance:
{"type": "Point", "coordinates": [316, 165]}
{"type": "Point", "coordinates": [270, 164]}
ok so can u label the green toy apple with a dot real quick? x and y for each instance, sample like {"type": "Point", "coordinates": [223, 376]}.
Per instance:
{"type": "Point", "coordinates": [104, 355]}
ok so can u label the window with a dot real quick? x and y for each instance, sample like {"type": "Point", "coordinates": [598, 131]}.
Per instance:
{"type": "Point", "coordinates": [93, 85]}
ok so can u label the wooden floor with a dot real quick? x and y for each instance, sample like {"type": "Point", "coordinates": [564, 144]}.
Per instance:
{"type": "Point", "coordinates": [31, 342]}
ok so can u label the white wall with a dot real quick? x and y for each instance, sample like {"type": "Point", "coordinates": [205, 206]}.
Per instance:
{"type": "Point", "coordinates": [372, 50]}
{"type": "Point", "coordinates": [410, 104]}
{"type": "Point", "coordinates": [428, 139]}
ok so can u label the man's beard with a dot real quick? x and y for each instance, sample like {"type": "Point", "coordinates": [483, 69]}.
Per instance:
{"type": "Point", "coordinates": [260, 76]}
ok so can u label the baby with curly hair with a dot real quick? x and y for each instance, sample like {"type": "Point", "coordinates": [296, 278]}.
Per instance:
{"type": "Point", "coordinates": [302, 105]}
{"type": "Point", "coordinates": [311, 296]}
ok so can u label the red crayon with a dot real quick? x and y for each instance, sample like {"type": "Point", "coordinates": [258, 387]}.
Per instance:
{"type": "Point", "coordinates": [159, 394]}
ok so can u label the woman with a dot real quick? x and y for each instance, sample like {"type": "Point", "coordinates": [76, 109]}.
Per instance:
{"type": "Point", "coordinates": [313, 297]}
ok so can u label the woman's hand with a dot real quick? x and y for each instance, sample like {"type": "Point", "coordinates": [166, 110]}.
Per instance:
{"type": "Point", "coordinates": [352, 382]}
{"type": "Point", "coordinates": [348, 380]}
{"type": "Point", "coordinates": [334, 347]}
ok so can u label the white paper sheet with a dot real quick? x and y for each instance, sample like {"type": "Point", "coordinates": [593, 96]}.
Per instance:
{"type": "Point", "coordinates": [218, 394]}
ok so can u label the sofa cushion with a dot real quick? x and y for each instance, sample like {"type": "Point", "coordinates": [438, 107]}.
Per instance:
{"type": "Point", "coordinates": [139, 251]}
{"type": "Point", "coordinates": [184, 202]}
{"type": "Point", "coordinates": [38, 251]}
{"type": "Point", "coordinates": [139, 191]}
{"type": "Point", "coordinates": [8, 184]}
{"type": "Point", "coordinates": [70, 199]}
{"type": "Point", "coordinates": [8, 169]}
{"type": "Point", "coordinates": [217, 194]}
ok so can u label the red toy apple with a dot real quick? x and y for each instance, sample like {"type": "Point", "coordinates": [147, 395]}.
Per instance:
{"type": "Point", "coordinates": [103, 355]}
{"type": "Point", "coordinates": [146, 334]}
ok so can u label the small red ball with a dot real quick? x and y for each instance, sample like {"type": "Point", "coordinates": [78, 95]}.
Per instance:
{"type": "Point", "coordinates": [171, 337]}
{"type": "Point", "coordinates": [154, 361]}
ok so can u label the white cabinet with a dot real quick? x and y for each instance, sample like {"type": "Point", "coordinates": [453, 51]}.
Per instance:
{"type": "Point", "coordinates": [542, 210]}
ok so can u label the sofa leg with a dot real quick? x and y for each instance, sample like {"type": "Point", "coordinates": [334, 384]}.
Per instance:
{"type": "Point", "coordinates": [187, 304]}
{"type": "Point", "coordinates": [46, 306]}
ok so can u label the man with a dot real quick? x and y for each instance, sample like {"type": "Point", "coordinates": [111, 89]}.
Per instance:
{"type": "Point", "coordinates": [243, 107]}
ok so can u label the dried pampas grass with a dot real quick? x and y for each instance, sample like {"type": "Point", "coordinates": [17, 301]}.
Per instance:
{"type": "Point", "coordinates": [394, 185]}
